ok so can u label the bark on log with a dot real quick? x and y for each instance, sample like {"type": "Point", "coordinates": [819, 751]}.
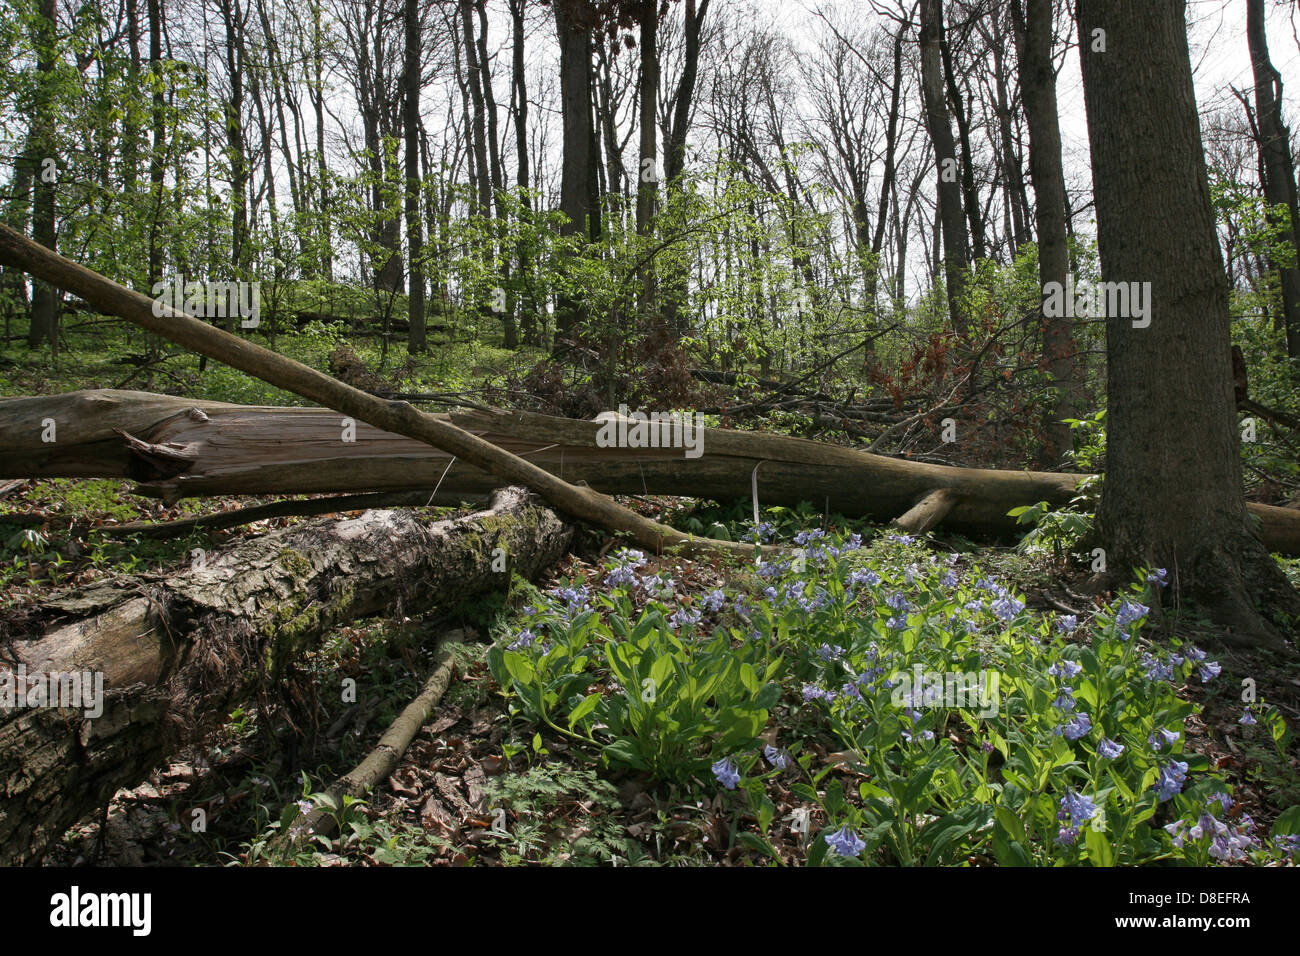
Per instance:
{"type": "Point", "coordinates": [927, 512]}
{"type": "Point", "coordinates": [177, 654]}
{"type": "Point", "coordinates": [235, 449]}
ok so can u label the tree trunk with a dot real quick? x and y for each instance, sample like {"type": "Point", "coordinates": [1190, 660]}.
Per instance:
{"type": "Point", "coordinates": [529, 326]}
{"type": "Point", "coordinates": [1173, 491]}
{"type": "Point", "coordinates": [177, 654]}
{"type": "Point", "coordinates": [1033, 28]}
{"type": "Point", "coordinates": [179, 447]}
{"type": "Point", "coordinates": [578, 193]}
{"type": "Point", "coordinates": [647, 183]}
{"type": "Point", "coordinates": [415, 342]}
{"type": "Point", "coordinates": [44, 160]}
{"type": "Point", "coordinates": [951, 215]}
{"type": "Point", "coordinates": [1276, 163]}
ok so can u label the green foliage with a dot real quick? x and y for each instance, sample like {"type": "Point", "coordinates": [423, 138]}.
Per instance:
{"type": "Point", "coordinates": [967, 723]}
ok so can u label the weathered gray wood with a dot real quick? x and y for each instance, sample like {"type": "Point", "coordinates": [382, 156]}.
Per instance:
{"type": "Point", "coordinates": [178, 654]}
{"type": "Point", "coordinates": [239, 449]}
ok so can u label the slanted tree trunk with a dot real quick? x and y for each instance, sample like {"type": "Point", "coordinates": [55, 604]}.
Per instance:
{"type": "Point", "coordinates": [399, 417]}
{"type": "Point", "coordinates": [1173, 491]}
{"type": "Point", "coordinates": [177, 654]}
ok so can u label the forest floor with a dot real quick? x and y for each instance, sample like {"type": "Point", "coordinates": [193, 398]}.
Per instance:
{"type": "Point", "coordinates": [488, 783]}
{"type": "Point", "coordinates": [474, 758]}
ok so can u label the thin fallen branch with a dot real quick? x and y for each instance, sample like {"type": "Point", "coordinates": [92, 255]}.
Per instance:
{"type": "Point", "coordinates": [381, 761]}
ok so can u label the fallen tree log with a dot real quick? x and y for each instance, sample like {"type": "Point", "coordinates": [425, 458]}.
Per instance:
{"type": "Point", "coordinates": [182, 447]}
{"type": "Point", "coordinates": [398, 417]}
{"type": "Point", "coordinates": [176, 655]}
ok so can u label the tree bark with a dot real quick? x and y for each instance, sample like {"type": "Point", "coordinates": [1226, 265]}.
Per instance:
{"type": "Point", "coordinates": [1173, 491]}
{"type": "Point", "coordinates": [179, 653]}
{"type": "Point", "coordinates": [952, 217]}
{"type": "Point", "coordinates": [414, 65]}
{"type": "Point", "coordinates": [183, 448]}
{"type": "Point", "coordinates": [578, 190]}
{"type": "Point", "coordinates": [1033, 28]}
{"type": "Point", "coordinates": [44, 161]}
{"type": "Point", "coordinates": [1276, 163]}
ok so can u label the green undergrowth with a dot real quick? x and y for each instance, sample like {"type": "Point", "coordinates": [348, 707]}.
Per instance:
{"type": "Point", "coordinates": [868, 701]}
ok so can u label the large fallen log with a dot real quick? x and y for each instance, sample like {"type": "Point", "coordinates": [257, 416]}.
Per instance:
{"type": "Point", "coordinates": [181, 447]}
{"type": "Point", "coordinates": [398, 417]}
{"type": "Point", "coordinates": [176, 655]}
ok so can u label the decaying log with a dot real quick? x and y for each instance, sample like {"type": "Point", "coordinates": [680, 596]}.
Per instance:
{"type": "Point", "coordinates": [233, 449]}
{"type": "Point", "coordinates": [177, 654]}
{"type": "Point", "coordinates": [927, 512]}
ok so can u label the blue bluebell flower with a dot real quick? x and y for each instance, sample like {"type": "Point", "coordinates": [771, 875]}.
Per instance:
{"type": "Point", "coordinates": [1109, 749]}
{"type": "Point", "coordinates": [1077, 726]}
{"type": "Point", "coordinates": [1163, 736]}
{"type": "Point", "coordinates": [863, 576]}
{"type": "Point", "coordinates": [1006, 607]}
{"type": "Point", "coordinates": [726, 772]}
{"type": "Point", "coordinates": [1067, 836]}
{"type": "Point", "coordinates": [524, 639]}
{"type": "Point", "coordinates": [775, 757]}
{"type": "Point", "coordinates": [1288, 843]}
{"type": "Point", "coordinates": [684, 617]}
{"type": "Point", "coordinates": [845, 842]}
{"type": "Point", "coordinates": [1066, 669]}
{"type": "Point", "coordinates": [1076, 808]}
{"type": "Point", "coordinates": [1172, 777]}
{"type": "Point", "coordinates": [1130, 612]}
{"type": "Point", "coordinates": [713, 600]}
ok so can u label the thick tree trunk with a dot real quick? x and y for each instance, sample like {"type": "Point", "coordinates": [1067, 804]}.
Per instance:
{"type": "Point", "coordinates": [1173, 491]}
{"type": "Point", "coordinates": [181, 448]}
{"type": "Point", "coordinates": [44, 160]}
{"type": "Point", "coordinates": [578, 192]}
{"type": "Point", "coordinates": [177, 654]}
